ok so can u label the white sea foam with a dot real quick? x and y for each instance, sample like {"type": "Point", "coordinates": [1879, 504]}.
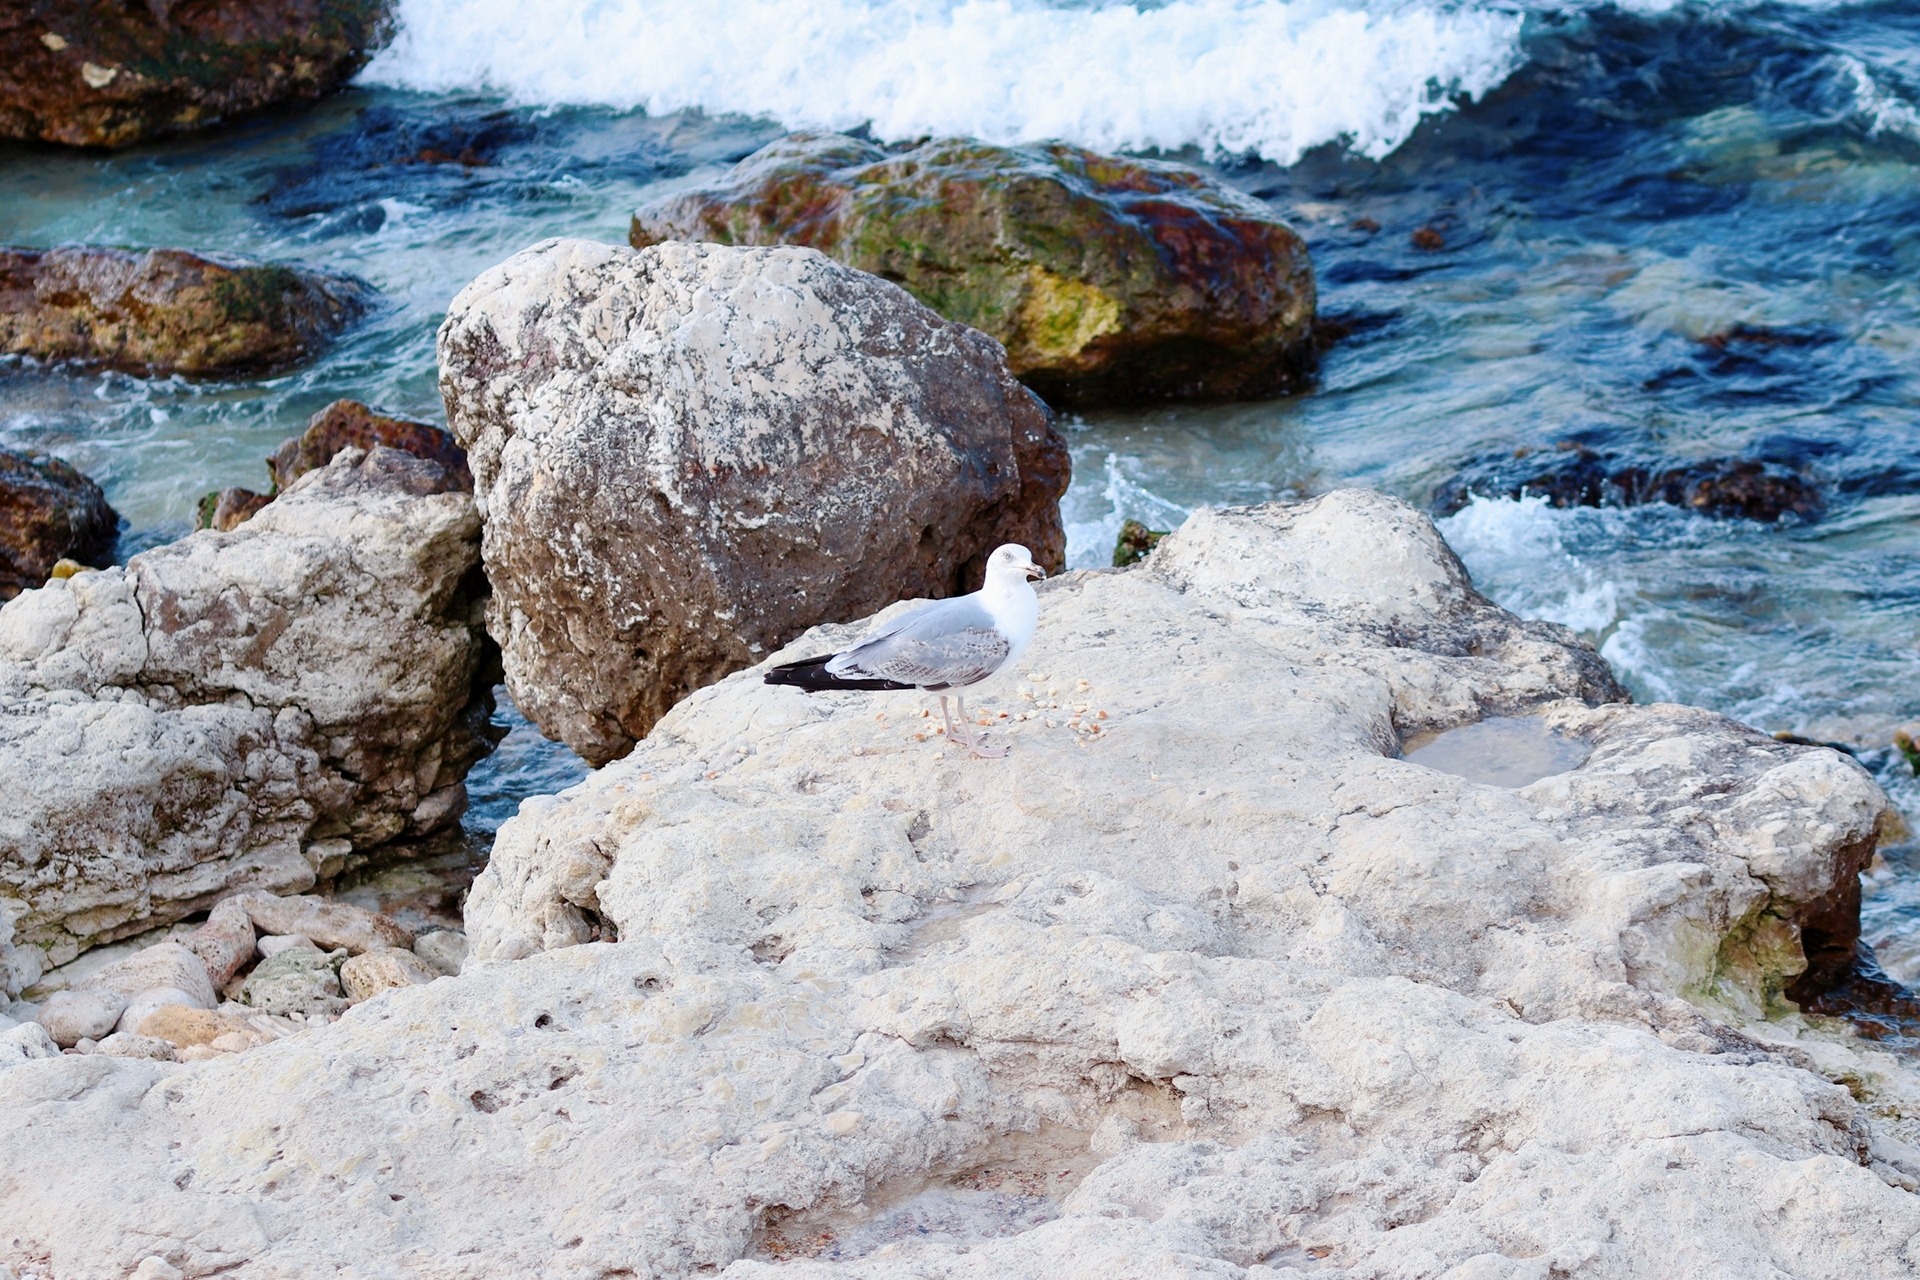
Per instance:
{"type": "Point", "coordinates": [1230, 76]}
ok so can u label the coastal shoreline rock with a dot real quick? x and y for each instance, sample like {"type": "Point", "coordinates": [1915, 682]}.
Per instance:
{"type": "Point", "coordinates": [1108, 279]}
{"type": "Point", "coordinates": [49, 512]}
{"type": "Point", "coordinates": [341, 425]}
{"type": "Point", "coordinates": [94, 73]}
{"type": "Point", "coordinates": [161, 311]}
{"type": "Point", "coordinates": [258, 708]}
{"type": "Point", "coordinates": [689, 454]}
{"type": "Point", "coordinates": [1212, 984]}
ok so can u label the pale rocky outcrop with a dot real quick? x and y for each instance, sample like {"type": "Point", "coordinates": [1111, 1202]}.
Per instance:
{"type": "Point", "coordinates": [246, 709]}
{"type": "Point", "coordinates": [689, 454]}
{"type": "Point", "coordinates": [1213, 986]}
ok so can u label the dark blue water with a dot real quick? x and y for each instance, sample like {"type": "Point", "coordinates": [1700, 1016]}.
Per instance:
{"type": "Point", "coordinates": [1665, 239]}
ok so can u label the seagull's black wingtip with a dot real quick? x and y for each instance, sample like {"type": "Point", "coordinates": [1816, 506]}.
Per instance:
{"type": "Point", "coordinates": [811, 674]}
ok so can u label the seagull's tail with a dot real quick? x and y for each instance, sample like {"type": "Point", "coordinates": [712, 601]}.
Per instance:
{"type": "Point", "coordinates": [812, 675]}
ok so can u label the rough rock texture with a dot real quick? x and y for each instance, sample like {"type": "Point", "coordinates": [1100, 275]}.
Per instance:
{"type": "Point", "coordinates": [323, 923]}
{"type": "Point", "coordinates": [689, 454]}
{"type": "Point", "coordinates": [169, 311]}
{"type": "Point", "coordinates": [227, 509]}
{"type": "Point", "coordinates": [49, 512]}
{"type": "Point", "coordinates": [1223, 989]}
{"type": "Point", "coordinates": [182, 1025]}
{"type": "Point", "coordinates": [73, 1016]}
{"type": "Point", "coordinates": [249, 709]}
{"type": "Point", "coordinates": [1106, 278]}
{"type": "Point", "coordinates": [442, 950]}
{"type": "Point", "coordinates": [165, 965]}
{"type": "Point", "coordinates": [344, 424]}
{"type": "Point", "coordinates": [104, 73]}
{"type": "Point", "coordinates": [297, 980]}
{"type": "Point", "coordinates": [225, 943]}
{"type": "Point", "coordinates": [348, 424]}
{"type": "Point", "coordinates": [368, 974]}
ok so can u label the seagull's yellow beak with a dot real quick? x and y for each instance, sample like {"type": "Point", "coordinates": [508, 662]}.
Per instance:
{"type": "Point", "coordinates": [1034, 570]}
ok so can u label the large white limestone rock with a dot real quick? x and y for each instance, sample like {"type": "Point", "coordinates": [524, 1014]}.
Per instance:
{"type": "Point", "coordinates": [688, 454]}
{"type": "Point", "coordinates": [1221, 989]}
{"type": "Point", "coordinates": [239, 709]}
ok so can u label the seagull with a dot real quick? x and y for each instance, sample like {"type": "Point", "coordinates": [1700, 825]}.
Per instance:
{"type": "Point", "coordinates": [944, 645]}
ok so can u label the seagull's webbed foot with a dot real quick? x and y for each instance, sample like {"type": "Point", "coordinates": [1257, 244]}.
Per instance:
{"type": "Point", "coordinates": [980, 750]}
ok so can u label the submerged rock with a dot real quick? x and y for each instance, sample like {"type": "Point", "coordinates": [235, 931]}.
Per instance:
{"type": "Point", "coordinates": [1222, 982]}
{"type": "Point", "coordinates": [1107, 279]}
{"type": "Point", "coordinates": [1135, 543]}
{"type": "Point", "coordinates": [102, 73]}
{"type": "Point", "coordinates": [49, 512]}
{"type": "Point", "coordinates": [246, 709]}
{"type": "Point", "coordinates": [1576, 476]}
{"type": "Point", "coordinates": [689, 454]}
{"type": "Point", "coordinates": [165, 311]}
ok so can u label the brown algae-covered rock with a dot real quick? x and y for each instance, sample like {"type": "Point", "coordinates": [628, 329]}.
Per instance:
{"type": "Point", "coordinates": [344, 424]}
{"type": "Point", "coordinates": [49, 512]}
{"type": "Point", "coordinates": [349, 424]}
{"type": "Point", "coordinates": [1107, 279]}
{"type": "Point", "coordinates": [689, 454]}
{"type": "Point", "coordinates": [168, 310]}
{"type": "Point", "coordinates": [105, 73]}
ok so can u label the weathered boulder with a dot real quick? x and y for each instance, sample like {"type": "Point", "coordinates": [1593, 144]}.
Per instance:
{"type": "Point", "coordinates": [302, 980]}
{"type": "Point", "coordinates": [49, 512]}
{"type": "Point", "coordinates": [348, 424]}
{"type": "Point", "coordinates": [1214, 986]}
{"type": "Point", "coordinates": [169, 311]}
{"type": "Point", "coordinates": [323, 923]}
{"type": "Point", "coordinates": [229, 508]}
{"type": "Point", "coordinates": [344, 424]}
{"type": "Point", "coordinates": [371, 972]}
{"type": "Point", "coordinates": [101, 73]}
{"type": "Point", "coordinates": [245, 709]}
{"type": "Point", "coordinates": [73, 1016]}
{"type": "Point", "coordinates": [689, 454]}
{"type": "Point", "coordinates": [1106, 278]}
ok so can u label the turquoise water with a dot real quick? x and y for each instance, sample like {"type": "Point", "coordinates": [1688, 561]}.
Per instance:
{"type": "Point", "coordinates": [1665, 235]}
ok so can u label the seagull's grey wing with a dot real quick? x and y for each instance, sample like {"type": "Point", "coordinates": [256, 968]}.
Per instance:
{"type": "Point", "coordinates": [949, 642]}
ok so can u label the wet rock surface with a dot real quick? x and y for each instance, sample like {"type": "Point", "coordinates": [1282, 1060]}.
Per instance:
{"type": "Point", "coordinates": [96, 73]}
{"type": "Point", "coordinates": [690, 453]}
{"type": "Point", "coordinates": [1108, 280]}
{"type": "Point", "coordinates": [49, 512]}
{"type": "Point", "coordinates": [258, 708]}
{"type": "Point", "coordinates": [1577, 476]}
{"type": "Point", "coordinates": [162, 311]}
{"type": "Point", "coordinates": [1212, 985]}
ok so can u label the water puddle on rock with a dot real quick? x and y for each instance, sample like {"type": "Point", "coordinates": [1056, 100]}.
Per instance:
{"type": "Point", "coordinates": [1500, 751]}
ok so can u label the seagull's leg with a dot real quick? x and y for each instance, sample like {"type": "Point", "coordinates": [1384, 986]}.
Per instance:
{"type": "Point", "coordinates": [948, 717]}
{"type": "Point", "coordinates": [974, 745]}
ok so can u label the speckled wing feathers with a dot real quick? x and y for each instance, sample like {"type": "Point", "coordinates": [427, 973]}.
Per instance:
{"type": "Point", "coordinates": [953, 642]}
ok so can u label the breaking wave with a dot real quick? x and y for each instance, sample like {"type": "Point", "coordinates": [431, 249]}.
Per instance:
{"type": "Point", "coordinates": [1272, 77]}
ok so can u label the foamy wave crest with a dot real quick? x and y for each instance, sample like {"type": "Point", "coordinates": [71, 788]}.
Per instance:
{"type": "Point", "coordinates": [1272, 77]}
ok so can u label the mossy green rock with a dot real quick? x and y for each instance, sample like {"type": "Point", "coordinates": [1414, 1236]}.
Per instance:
{"type": "Point", "coordinates": [169, 310]}
{"type": "Point", "coordinates": [1108, 280]}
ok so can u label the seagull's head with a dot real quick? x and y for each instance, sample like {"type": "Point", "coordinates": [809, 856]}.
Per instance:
{"type": "Point", "coordinates": [1012, 563]}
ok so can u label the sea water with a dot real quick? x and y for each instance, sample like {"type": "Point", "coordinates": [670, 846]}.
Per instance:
{"type": "Point", "coordinates": [1659, 230]}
